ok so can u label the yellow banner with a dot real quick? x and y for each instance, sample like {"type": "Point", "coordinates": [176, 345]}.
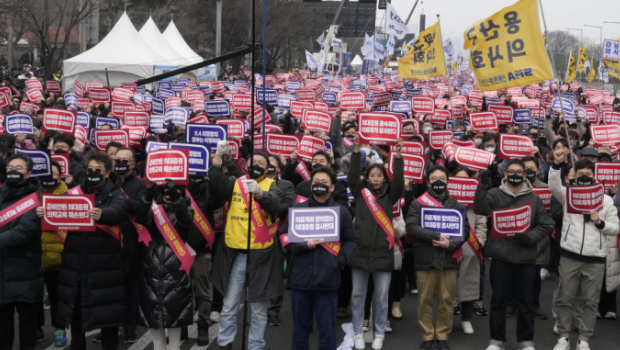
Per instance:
{"type": "Point", "coordinates": [592, 72]}
{"type": "Point", "coordinates": [571, 70]}
{"type": "Point", "coordinates": [506, 49]}
{"type": "Point", "coordinates": [455, 66]}
{"type": "Point", "coordinates": [613, 68]}
{"type": "Point", "coordinates": [582, 60]}
{"type": "Point", "coordinates": [426, 59]}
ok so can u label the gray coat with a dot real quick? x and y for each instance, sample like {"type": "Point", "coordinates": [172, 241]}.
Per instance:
{"type": "Point", "coordinates": [468, 280]}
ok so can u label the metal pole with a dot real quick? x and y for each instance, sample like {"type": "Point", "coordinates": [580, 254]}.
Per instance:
{"type": "Point", "coordinates": [218, 34]}
{"type": "Point", "coordinates": [411, 12]}
{"type": "Point", "coordinates": [264, 68]}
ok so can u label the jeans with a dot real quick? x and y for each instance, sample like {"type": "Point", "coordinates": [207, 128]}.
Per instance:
{"type": "Point", "coordinates": [323, 305]}
{"type": "Point", "coordinates": [503, 277]}
{"type": "Point", "coordinates": [232, 302]}
{"type": "Point", "coordinates": [27, 325]}
{"type": "Point", "coordinates": [380, 298]}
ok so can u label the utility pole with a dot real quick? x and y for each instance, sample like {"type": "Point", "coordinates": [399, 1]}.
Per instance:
{"type": "Point", "coordinates": [218, 34]}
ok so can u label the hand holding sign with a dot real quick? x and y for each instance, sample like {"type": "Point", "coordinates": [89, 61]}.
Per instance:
{"type": "Point", "coordinates": [443, 242]}
{"type": "Point", "coordinates": [95, 214]}
{"type": "Point", "coordinates": [595, 218]}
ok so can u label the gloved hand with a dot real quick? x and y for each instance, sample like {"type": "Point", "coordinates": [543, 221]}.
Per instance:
{"type": "Point", "coordinates": [485, 177]}
{"type": "Point", "coordinates": [522, 238]}
{"type": "Point", "coordinates": [493, 169]}
{"type": "Point", "coordinates": [223, 149]}
{"type": "Point", "coordinates": [171, 191]}
{"type": "Point", "coordinates": [252, 186]}
{"type": "Point", "coordinates": [151, 192]}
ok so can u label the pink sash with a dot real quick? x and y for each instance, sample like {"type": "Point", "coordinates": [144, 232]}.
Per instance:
{"type": "Point", "coordinates": [302, 169]}
{"type": "Point", "coordinates": [332, 247]}
{"type": "Point", "coordinates": [180, 249]}
{"type": "Point", "coordinates": [19, 208]}
{"type": "Point", "coordinates": [143, 234]}
{"type": "Point", "coordinates": [202, 223]}
{"type": "Point", "coordinates": [383, 220]}
{"type": "Point", "coordinates": [263, 233]}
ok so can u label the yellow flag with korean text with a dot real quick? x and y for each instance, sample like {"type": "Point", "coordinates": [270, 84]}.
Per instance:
{"type": "Point", "coordinates": [507, 50]}
{"type": "Point", "coordinates": [591, 72]}
{"type": "Point", "coordinates": [571, 71]}
{"type": "Point", "coordinates": [426, 59]}
{"type": "Point", "coordinates": [613, 68]}
{"type": "Point", "coordinates": [582, 60]}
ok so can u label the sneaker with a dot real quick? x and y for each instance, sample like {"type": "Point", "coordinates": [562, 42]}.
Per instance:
{"type": "Point", "coordinates": [510, 311]}
{"type": "Point", "coordinates": [129, 337]}
{"type": "Point", "coordinates": [359, 342]}
{"type": "Point", "coordinates": [539, 314]}
{"type": "Point", "coordinates": [377, 343]}
{"type": "Point", "coordinates": [427, 345]}
{"type": "Point", "coordinates": [40, 336]}
{"type": "Point", "coordinates": [544, 273]}
{"type": "Point", "coordinates": [60, 337]}
{"type": "Point", "coordinates": [562, 344]}
{"type": "Point", "coordinates": [366, 325]}
{"type": "Point", "coordinates": [555, 329]}
{"type": "Point", "coordinates": [457, 307]}
{"type": "Point", "coordinates": [214, 316]}
{"type": "Point", "coordinates": [467, 327]}
{"type": "Point", "coordinates": [97, 338]}
{"type": "Point", "coordinates": [414, 291]}
{"type": "Point", "coordinates": [610, 315]}
{"type": "Point", "coordinates": [582, 345]}
{"type": "Point", "coordinates": [442, 345]}
{"type": "Point", "coordinates": [388, 327]}
{"type": "Point", "coordinates": [479, 309]}
{"type": "Point", "coordinates": [494, 347]}
{"type": "Point", "coordinates": [342, 312]}
{"type": "Point", "coordinates": [274, 320]}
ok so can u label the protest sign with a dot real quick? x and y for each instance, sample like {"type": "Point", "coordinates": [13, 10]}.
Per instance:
{"type": "Point", "coordinates": [19, 124]}
{"type": "Point", "coordinates": [584, 199]}
{"type": "Point", "coordinates": [165, 164]}
{"type": "Point", "coordinates": [379, 128]}
{"type": "Point", "coordinates": [241, 102]}
{"type": "Point", "coordinates": [52, 86]}
{"type": "Point", "coordinates": [503, 113]}
{"type": "Point", "coordinates": [136, 134]}
{"type": "Point", "coordinates": [59, 119]}
{"type": "Point", "coordinates": [101, 138]}
{"type": "Point", "coordinates": [329, 97]}
{"type": "Point", "coordinates": [474, 159]}
{"type": "Point", "coordinates": [298, 108]}
{"type": "Point", "coordinates": [463, 189]}
{"type": "Point", "coordinates": [308, 146]}
{"type": "Point", "coordinates": [136, 119]}
{"type": "Point", "coordinates": [176, 115]}
{"type": "Point", "coordinates": [282, 144]}
{"type": "Point", "coordinates": [63, 160]}
{"type": "Point", "coordinates": [41, 161]}
{"type": "Point", "coordinates": [422, 104]}
{"type": "Point", "coordinates": [305, 95]}
{"type": "Point", "coordinates": [446, 221]}
{"type": "Point", "coordinates": [34, 95]}
{"type": "Point", "coordinates": [316, 120]}
{"type": "Point", "coordinates": [607, 173]}
{"type": "Point", "coordinates": [441, 116]}
{"type": "Point", "coordinates": [112, 122]}
{"type": "Point", "coordinates": [236, 127]}
{"type": "Point", "coordinates": [414, 167]}
{"type": "Point", "coordinates": [381, 98]}
{"type": "Point", "coordinates": [99, 95]}
{"type": "Point", "coordinates": [438, 138]}
{"type": "Point", "coordinates": [605, 135]}
{"type": "Point", "coordinates": [321, 223]}
{"type": "Point", "coordinates": [198, 157]}
{"type": "Point", "coordinates": [483, 121]}
{"type": "Point", "coordinates": [508, 222]}
{"type": "Point", "coordinates": [269, 96]}
{"type": "Point", "coordinates": [119, 109]}
{"type": "Point", "coordinates": [415, 148]}
{"type": "Point", "coordinates": [353, 100]}
{"type": "Point", "coordinates": [217, 108]}
{"type": "Point", "coordinates": [120, 94]}
{"type": "Point", "coordinates": [81, 134]}
{"type": "Point", "coordinates": [545, 196]}
{"type": "Point", "coordinates": [207, 135]}
{"type": "Point", "coordinates": [400, 107]}
{"type": "Point", "coordinates": [522, 116]}
{"type": "Point", "coordinates": [513, 146]}
{"type": "Point", "coordinates": [67, 212]}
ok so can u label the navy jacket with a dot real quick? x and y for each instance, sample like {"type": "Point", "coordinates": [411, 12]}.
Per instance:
{"type": "Point", "coordinates": [317, 269]}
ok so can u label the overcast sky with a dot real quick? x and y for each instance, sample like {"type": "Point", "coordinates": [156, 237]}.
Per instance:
{"type": "Point", "coordinates": [458, 15]}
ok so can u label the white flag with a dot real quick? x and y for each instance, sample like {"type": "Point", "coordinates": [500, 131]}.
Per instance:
{"type": "Point", "coordinates": [311, 61]}
{"type": "Point", "coordinates": [390, 45]}
{"type": "Point", "coordinates": [321, 40]}
{"type": "Point", "coordinates": [447, 48]}
{"type": "Point", "coordinates": [602, 72]}
{"type": "Point", "coordinates": [336, 42]}
{"type": "Point", "coordinates": [393, 24]}
{"type": "Point", "coordinates": [321, 63]}
{"type": "Point", "coordinates": [367, 47]}
{"type": "Point", "coordinates": [379, 50]}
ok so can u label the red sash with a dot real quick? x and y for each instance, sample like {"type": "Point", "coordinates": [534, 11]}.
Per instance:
{"type": "Point", "coordinates": [383, 220]}
{"type": "Point", "coordinates": [302, 169]}
{"type": "Point", "coordinates": [61, 235]}
{"type": "Point", "coordinates": [202, 223]}
{"type": "Point", "coordinates": [180, 249]}
{"type": "Point", "coordinates": [263, 233]}
{"type": "Point", "coordinates": [114, 231]}
{"type": "Point", "coordinates": [143, 234]}
{"type": "Point", "coordinates": [347, 142]}
{"type": "Point", "coordinates": [473, 241]}
{"type": "Point", "coordinates": [332, 247]}
{"type": "Point", "coordinates": [19, 208]}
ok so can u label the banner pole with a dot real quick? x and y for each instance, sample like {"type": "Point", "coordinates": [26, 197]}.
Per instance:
{"type": "Point", "coordinates": [542, 13]}
{"type": "Point", "coordinates": [264, 69]}
{"type": "Point", "coordinates": [449, 74]}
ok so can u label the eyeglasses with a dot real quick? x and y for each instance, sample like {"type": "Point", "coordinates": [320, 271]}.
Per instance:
{"type": "Point", "coordinates": [515, 172]}
{"type": "Point", "coordinates": [18, 168]}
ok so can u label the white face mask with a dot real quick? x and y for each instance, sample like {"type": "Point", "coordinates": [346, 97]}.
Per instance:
{"type": "Point", "coordinates": [478, 142]}
{"type": "Point", "coordinates": [490, 149]}
{"type": "Point", "coordinates": [427, 129]}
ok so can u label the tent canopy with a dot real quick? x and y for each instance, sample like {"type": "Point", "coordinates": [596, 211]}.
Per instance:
{"type": "Point", "coordinates": [175, 40]}
{"type": "Point", "coordinates": [153, 37]}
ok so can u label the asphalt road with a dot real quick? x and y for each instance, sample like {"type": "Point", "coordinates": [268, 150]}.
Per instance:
{"type": "Point", "coordinates": [405, 335]}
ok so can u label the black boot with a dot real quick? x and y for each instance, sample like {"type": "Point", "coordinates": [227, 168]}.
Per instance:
{"type": "Point", "coordinates": [203, 333]}
{"type": "Point", "coordinates": [184, 333]}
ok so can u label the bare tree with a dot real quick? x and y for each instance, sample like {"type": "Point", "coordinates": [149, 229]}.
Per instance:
{"type": "Point", "coordinates": [560, 44]}
{"type": "Point", "coordinates": [11, 27]}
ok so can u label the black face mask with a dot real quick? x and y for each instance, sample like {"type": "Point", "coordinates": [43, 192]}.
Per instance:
{"type": "Point", "coordinates": [121, 169]}
{"type": "Point", "coordinates": [439, 187]}
{"type": "Point", "coordinates": [350, 137]}
{"type": "Point", "coordinates": [530, 174]}
{"type": "Point", "coordinates": [515, 179]}
{"type": "Point", "coordinates": [584, 180]}
{"type": "Point", "coordinates": [316, 165]}
{"type": "Point", "coordinates": [14, 177]}
{"type": "Point", "coordinates": [271, 169]}
{"type": "Point", "coordinates": [94, 180]}
{"type": "Point", "coordinates": [60, 151]}
{"type": "Point", "coordinates": [256, 171]}
{"type": "Point", "coordinates": [320, 189]}
{"type": "Point", "coordinates": [49, 183]}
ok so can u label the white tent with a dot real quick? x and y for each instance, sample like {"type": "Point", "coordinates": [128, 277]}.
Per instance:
{"type": "Point", "coordinates": [175, 40]}
{"type": "Point", "coordinates": [123, 52]}
{"type": "Point", "coordinates": [357, 61]}
{"type": "Point", "coordinates": [152, 36]}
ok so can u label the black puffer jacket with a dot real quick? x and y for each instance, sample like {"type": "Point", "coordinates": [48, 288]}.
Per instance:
{"type": "Point", "coordinates": [425, 255]}
{"type": "Point", "coordinates": [21, 276]}
{"type": "Point", "coordinates": [166, 296]}
{"type": "Point", "coordinates": [93, 260]}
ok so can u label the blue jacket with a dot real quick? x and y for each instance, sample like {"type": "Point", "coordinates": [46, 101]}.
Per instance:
{"type": "Point", "coordinates": [317, 269]}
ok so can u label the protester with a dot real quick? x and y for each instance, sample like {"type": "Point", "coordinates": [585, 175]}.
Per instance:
{"type": "Point", "coordinates": [21, 276]}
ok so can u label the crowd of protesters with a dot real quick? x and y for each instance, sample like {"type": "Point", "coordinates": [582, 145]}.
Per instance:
{"type": "Point", "coordinates": [94, 281]}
